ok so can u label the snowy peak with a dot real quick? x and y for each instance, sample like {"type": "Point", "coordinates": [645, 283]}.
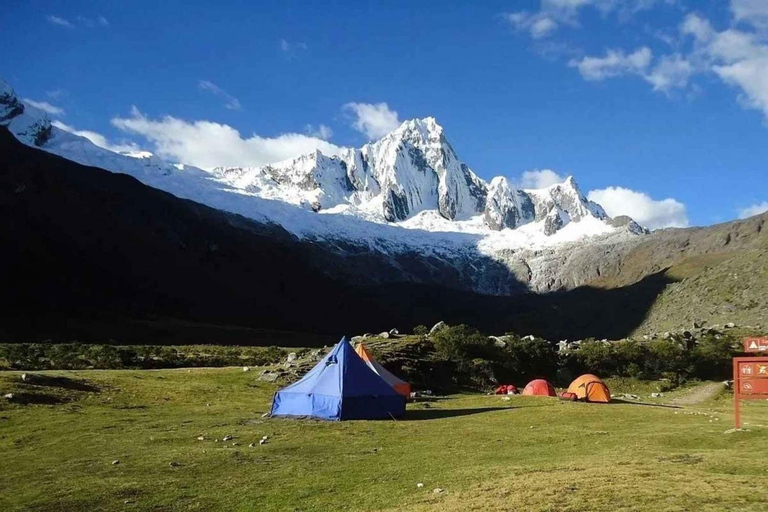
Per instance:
{"type": "Point", "coordinates": [411, 170]}
{"type": "Point", "coordinates": [506, 206]}
{"type": "Point", "coordinates": [28, 124]}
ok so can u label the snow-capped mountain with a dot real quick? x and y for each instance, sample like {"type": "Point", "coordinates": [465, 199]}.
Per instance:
{"type": "Point", "coordinates": [406, 194]}
{"type": "Point", "coordinates": [411, 170]}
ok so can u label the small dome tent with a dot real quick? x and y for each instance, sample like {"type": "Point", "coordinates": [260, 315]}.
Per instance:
{"type": "Point", "coordinates": [340, 387]}
{"type": "Point", "coordinates": [590, 388]}
{"type": "Point", "coordinates": [397, 384]}
{"type": "Point", "coordinates": [539, 387]}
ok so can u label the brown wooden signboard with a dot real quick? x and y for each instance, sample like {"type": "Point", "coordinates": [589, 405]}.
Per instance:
{"type": "Point", "coordinates": [750, 381]}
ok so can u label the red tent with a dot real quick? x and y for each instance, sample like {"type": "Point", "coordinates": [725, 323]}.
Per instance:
{"type": "Point", "coordinates": [506, 389]}
{"type": "Point", "coordinates": [539, 387]}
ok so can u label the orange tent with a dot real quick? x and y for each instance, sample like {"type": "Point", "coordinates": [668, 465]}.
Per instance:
{"type": "Point", "coordinates": [539, 387]}
{"type": "Point", "coordinates": [397, 384]}
{"type": "Point", "coordinates": [590, 388]}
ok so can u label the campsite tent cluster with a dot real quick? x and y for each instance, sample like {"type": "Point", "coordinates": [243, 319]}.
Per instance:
{"type": "Point", "coordinates": [345, 385]}
{"type": "Point", "coordinates": [349, 384]}
{"type": "Point", "coordinates": [588, 388]}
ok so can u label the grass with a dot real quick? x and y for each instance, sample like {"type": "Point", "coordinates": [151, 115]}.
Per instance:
{"type": "Point", "coordinates": [484, 452]}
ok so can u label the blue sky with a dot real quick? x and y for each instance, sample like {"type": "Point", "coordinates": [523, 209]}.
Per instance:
{"type": "Point", "coordinates": [641, 100]}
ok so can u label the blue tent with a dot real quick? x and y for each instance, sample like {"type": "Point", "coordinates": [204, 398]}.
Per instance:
{"type": "Point", "coordinates": [340, 387]}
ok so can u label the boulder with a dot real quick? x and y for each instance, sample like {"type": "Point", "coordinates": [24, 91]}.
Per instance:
{"type": "Point", "coordinates": [439, 326]}
{"type": "Point", "coordinates": [393, 332]}
{"type": "Point", "coordinates": [291, 357]}
{"type": "Point", "coordinates": [498, 341]}
{"type": "Point", "coordinates": [384, 335]}
{"type": "Point", "coordinates": [730, 325]}
{"type": "Point", "coordinates": [268, 376]}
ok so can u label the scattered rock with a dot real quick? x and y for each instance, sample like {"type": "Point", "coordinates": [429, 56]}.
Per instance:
{"type": "Point", "coordinates": [437, 490]}
{"type": "Point", "coordinates": [393, 332]}
{"type": "Point", "coordinates": [115, 462]}
{"type": "Point", "coordinates": [228, 438]}
{"type": "Point", "coordinates": [201, 438]}
{"type": "Point", "coordinates": [657, 395]}
{"type": "Point", "coordinates": [252, 445]}
{"type": "Point", "coordinates": [291, 357]}
{"type": "Point", "coordinates": [265, 415]}
{"type": "Point", "coordinates": [734, 430]}
{"type": "Point", "coordinates": [174, 464]}
{"type": "Point", "coordinates": [263, 441]}
{"type": "Point", "coordinates": [439, 326]}
{"type": "Point", "coordinates": [498, 341]}
{"type": "Point", "coordinates": [419, 485]}
{"type": "Point", "coordinates": [25, 377]}
{"type": "Point", "coordinates": [384, 335]}
{"type": "Point", "coordinates": [269, 376]}
{"type": "Point", "coordinates": [246, 369]}
{"type": "Point", "coordinates": [8, 396]}
{"type": "Point", "coordinates": [730, 325]}
{"type": "Point", "coordinates": [506, 398]}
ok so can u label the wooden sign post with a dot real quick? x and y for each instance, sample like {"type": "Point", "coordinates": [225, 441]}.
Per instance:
{"type": "Point", "coordinates": [750, 375]}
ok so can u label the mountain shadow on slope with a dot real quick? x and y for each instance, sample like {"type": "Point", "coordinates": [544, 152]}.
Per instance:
{"type": "Point", "coordinates": [84, 248]}
{"type": "Point", "coordinates": [93, 255]}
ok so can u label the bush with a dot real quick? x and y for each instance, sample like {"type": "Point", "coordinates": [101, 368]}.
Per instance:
{"type": "Point", "coordinates": [421, 330]}
{"type": "Point", "coordinates": [525, 359]}
{"type": "Point", "coordinates": [462, 343]}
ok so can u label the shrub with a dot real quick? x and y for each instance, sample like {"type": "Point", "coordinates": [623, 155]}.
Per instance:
{"type": "Point", "coordinates": [524, 359]}
{"type": "Point", "coordinates": [421, 330]}
{"type": "Point", "coordinates": [462, 343]}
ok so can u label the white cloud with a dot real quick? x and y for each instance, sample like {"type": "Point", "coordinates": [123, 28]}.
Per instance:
{"type": "Point", "coordinates": [553, 14]}
{"type": "Point", "coordinates": [97, 138]}
{"type": "Point", "coordinates": [207, 144]}
{"type": "Point", "coordinates": [751, 75]}
{"type": "Point", "coordinates": [321, 132]}
{"type": "Point", "coordinates": [45, 107]}
{"type": "Point", "coordinates": [737, 57]}
{"type": "Point", "coordinates": [669, 72]}
{"type": "Point", "coordinates": [230, 102]}
{"type": "Point", "coordinates": [672, 71]}
{"type": "Point", "coordinates": [291, 48]}
{"type": "Point", "coordinates": [698, 27]}
{"type": "Point", "coordinates": [373, 120]}
{"type": "Point", "coordinates": [755, 209]}
{"type": "Point", "coordinates": [539, 25]}
{"type": "Point", "coordinates": [540, 179]}
{"type": "Point", "coordinates": [615, 63]}
{"type": "Point", "coordinates": [81, 21]}
{"type": "Point", "coordinates": [754, 12]}
{"type": "Point", "coordinates": [651, 213]}
{"type": "Point", "coordinates": [62, 22]}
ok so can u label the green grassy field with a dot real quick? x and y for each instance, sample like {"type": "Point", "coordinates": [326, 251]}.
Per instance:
{"type": "Point", "coordinates": [483, 452]}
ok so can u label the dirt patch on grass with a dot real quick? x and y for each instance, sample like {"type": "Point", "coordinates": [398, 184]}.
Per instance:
{"type": "Point", "coordinates": [700, 394]}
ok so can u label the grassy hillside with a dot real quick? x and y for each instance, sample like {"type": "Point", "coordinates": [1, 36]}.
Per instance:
{"type": "Point", "coordinates": [483, 452]}
{"type": "Point", "coordinates": [719, 289]}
